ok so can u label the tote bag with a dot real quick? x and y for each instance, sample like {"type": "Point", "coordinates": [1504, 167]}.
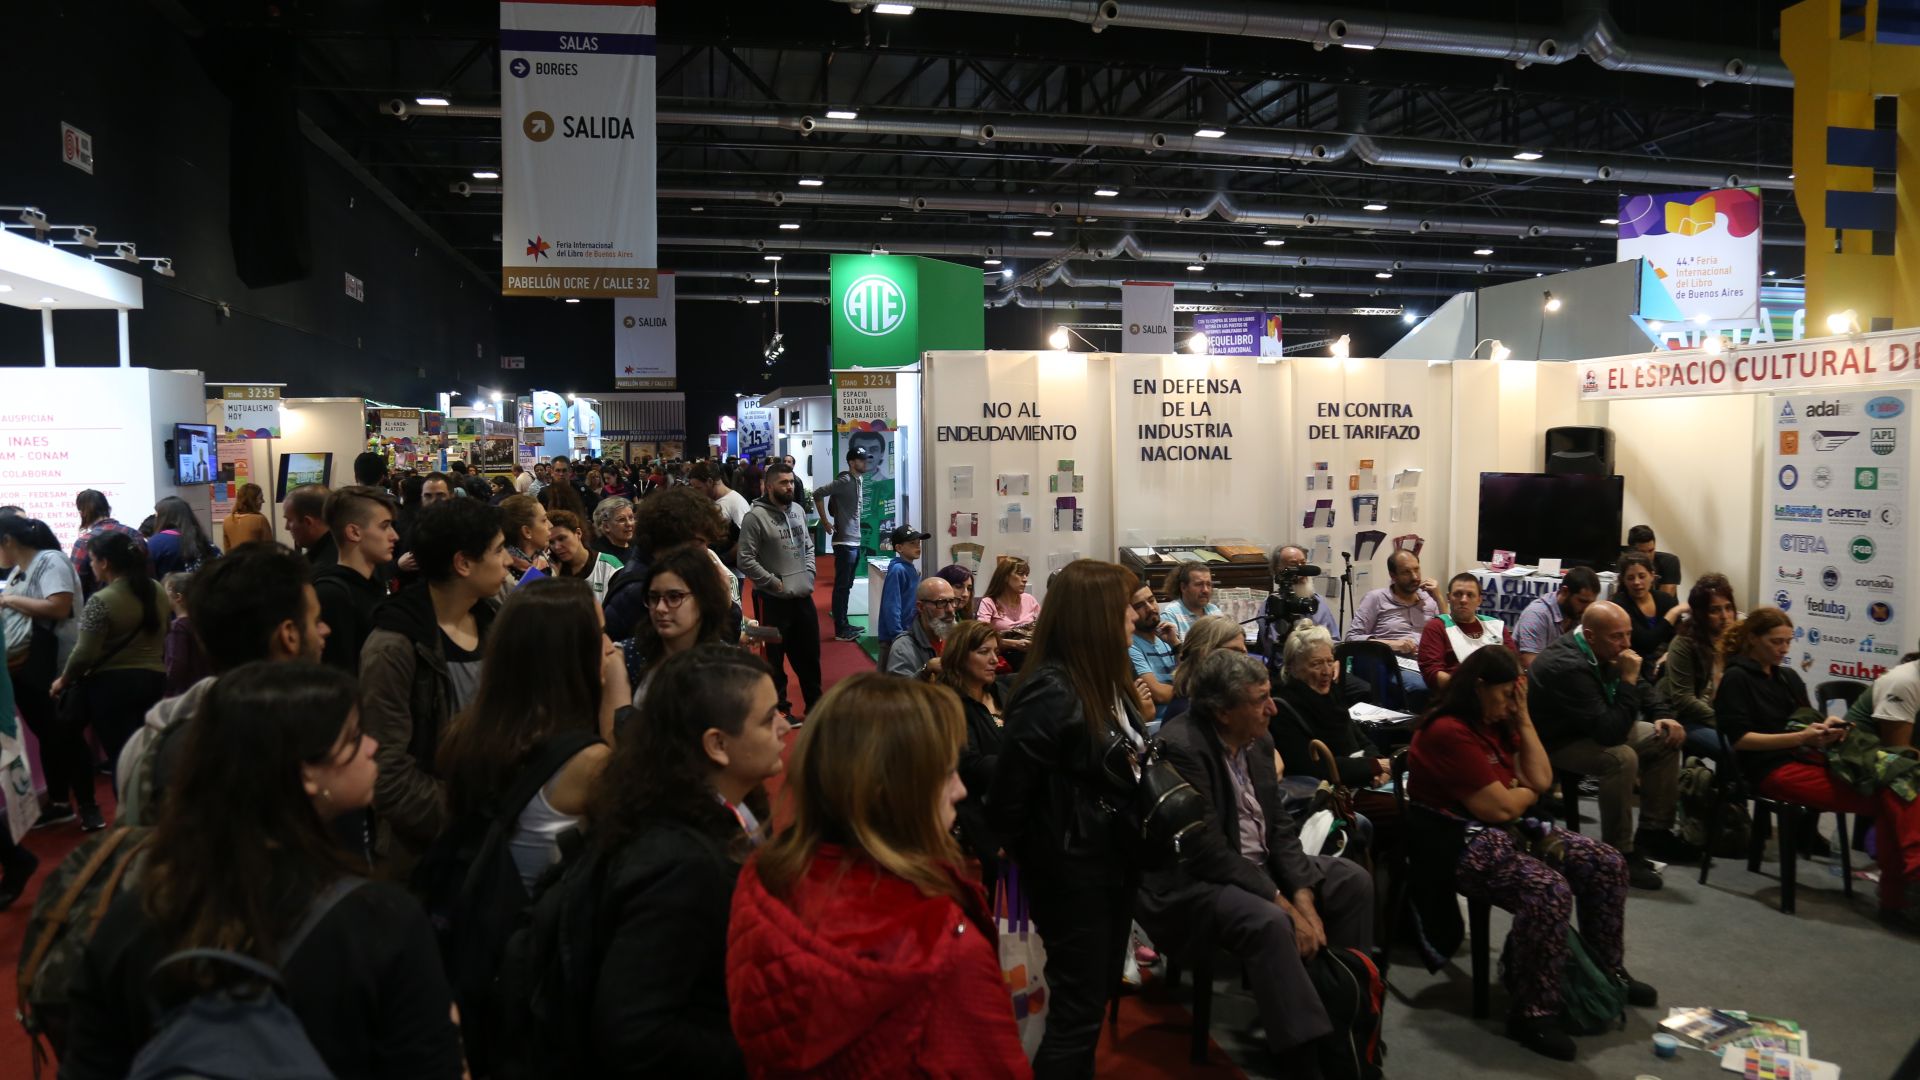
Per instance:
{"type": "Point", "coordinates": [1023, 960]}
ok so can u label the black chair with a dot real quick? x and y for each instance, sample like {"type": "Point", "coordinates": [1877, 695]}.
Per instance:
{"type": "Point", "coordinates": [1479, 911]}
{"type": "Point", "coordinates": [1377, 664]}
{"type": "Point", "coordinates": [1845, 690]}
{"type": "Point", "coordinates": [1730, 786]}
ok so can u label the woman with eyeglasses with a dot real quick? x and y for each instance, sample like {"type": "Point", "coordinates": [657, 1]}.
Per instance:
{"type": "Point", "coordinates": [686, 606]}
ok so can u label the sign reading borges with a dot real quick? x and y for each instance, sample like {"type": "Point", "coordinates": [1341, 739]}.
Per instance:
{"type": "Point", "coordinates": [577, 138]}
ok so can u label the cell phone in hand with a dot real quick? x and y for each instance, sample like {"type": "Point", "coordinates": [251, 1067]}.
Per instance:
{"type": "Point", "coordinates": [764, 633]}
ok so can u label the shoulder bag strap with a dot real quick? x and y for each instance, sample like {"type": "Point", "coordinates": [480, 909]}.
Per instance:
{"type": "Point", "coordinates": [322, 904]}
{"type": "Point", "coordinates": [542, 764]}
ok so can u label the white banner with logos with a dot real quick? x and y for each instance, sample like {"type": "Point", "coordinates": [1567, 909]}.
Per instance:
{"type": "Point", "coordinates": [1836, 506]}
{"type": "Point", "coordinates": [1146, 309]}
{"type": "Point", "coordinates": [643, 340]}
{"type": "Point", "coordinates": [577, 148]}
{"type": "Point", "coordinates": [1858, 360]}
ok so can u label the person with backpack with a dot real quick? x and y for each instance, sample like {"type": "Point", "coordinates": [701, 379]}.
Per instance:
{"type": "Point", "coordinates": [857, 944]}
{"type": "Point", "coordinates": [622, 969]}
{"type": "Point", "coordinates": [242, 881]}
{"type": "Point", "coordinates": [1475, 770]}
{"type": "Point", "coordinates": [43, 589]}
{"type": "Point", "coordinates": [421, 666]}
{"type": "Point", "coordinates": [117, 670]}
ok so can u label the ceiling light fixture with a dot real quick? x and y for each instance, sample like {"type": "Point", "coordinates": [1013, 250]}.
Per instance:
{"type": "Point", "coordinates": [1194, 268]}
{"type": "Point", "coordinates": [990, 262]}
{"type": "Point", "coordinates": [1007, 272]}
{"type": "Point", "coordinates": [1342, 347]}
{"type": "Point", "coordinates": [431, 99]}
{"type": "Point", "coordinates": [1304, 295]}
{"type": "Point", "coordinates": [1043, 233]}
{"type": "Point", "coordinates": [485, 174]}
{"type": "Point", "coordinates": [1527, 155]}
{"type": "Point", "coordinates": [1409, 317]}
{"type": "Point", "coordinates": [790, 225]}
{"type": "Point", "coordinates": [762, 281]}
{"type": "Point", "coordinates": [1273, 243]}
{"type": "Point", "coordinates": [1552, 305]}
{"type": "Point", "coordinates": [1197, 344]}
{"type": "Point", "coordinates": [893, 9]}
{"type": "Point", "coordinates": [1483, 251]}
{"type": "Point", "coordinates": [48, 300]}
{"type": "Point", "coordinates": [1210, 133]}
{"type": "Point", "coordinates": [1374, 207]}
{"type": "Point", "coordinates": [1058, 339]}
{"type": "Point", "coordinates": [1844, 322]}
{"type": "Point", "coordinates": [573, 299]}
{"type": "Point", "coordinates": [1105, 192]}
{"type": "Point", "coordinates": [771, 258]}
{"type": "Point", "coordinates": [1609, 221]}
{"type": "Point", "coordinates": [750, 300]}
{"type": "Point", "coordinates": [811, 181]}
{"type": "Point", "coordinates": [1713, 345]}
{"type": "Point", "coordinates": [1356, 47]}
{"type": "Point", "coordinates": [1384, 275]}
{"type": "Point", "coordinates": [842, 114]}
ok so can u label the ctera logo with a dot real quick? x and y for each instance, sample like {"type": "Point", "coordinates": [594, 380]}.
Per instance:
{"type": "Point", "coordinates": [1783, 601]}
{"type": "Point", "coordinates": [1803, 543]}
{"type": "Point", "coordinates": [1885, 408]}
{"type": "Point", "coordinates": [1864, 670]}
{"type": "Point", "coordinates": [1826, 609]}
{"type": "Point", "coordinates": [1861, 548]}
{"type": "Point", "coordinates": [874, 305]}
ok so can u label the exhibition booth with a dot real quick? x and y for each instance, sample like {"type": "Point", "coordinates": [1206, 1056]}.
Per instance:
{"type": "Point", "coordinates": [279, 444]}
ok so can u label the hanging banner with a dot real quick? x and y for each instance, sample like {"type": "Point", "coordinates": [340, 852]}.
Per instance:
{"type": "Point", "coordinates": [756, 428]}
{"type": "Point", "coordinates": [250, 412]}
{"type": "Point", "coordinates": [577, 143]}
{"type": "Point", "coordinates": [1862, 360]}
{"type": "Point", "coordinates": [399, 423]}
{"type": "Point", "coordinates": [1836, 503]}
{"type": "Point", "coordinates": [1704, 246]}
{"type": "Point", "coordinates": [1146, 307]}
{"type": "Point", "coordinates": [643, 341]}
{"type": "Point", "coordinates": [1239, 333]}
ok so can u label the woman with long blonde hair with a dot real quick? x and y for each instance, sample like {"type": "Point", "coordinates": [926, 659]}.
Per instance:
{"type": "Point", "coordinates": [861, 901]}
{"type": "Point", "coordinates": [246, 523]}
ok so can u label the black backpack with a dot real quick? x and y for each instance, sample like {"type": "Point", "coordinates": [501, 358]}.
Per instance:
{"type": "Point", "coordinates": [474, 896]}
{"type": "Point", "coordinates": [229, 1033]}
{"type": "Point", "coordinates": [549, 970]}
{"type": "Point", "coordinates": [1353, 993]}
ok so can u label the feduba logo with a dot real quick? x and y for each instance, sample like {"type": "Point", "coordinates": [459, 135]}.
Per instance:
{"type": "Point", "coordinates": [1885, 408]}
{"type": "Point", "coordinates": [1861, 548]}
{"type": "Point", "coordinates": [874, 305]}
{"type": "Point", "coordinates": [1803, 543]}
{"type": "Point", "coordinates": [1826, 609]}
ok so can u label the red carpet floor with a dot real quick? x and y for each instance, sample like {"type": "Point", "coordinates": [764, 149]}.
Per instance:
{"type": "Point", "coordinates": [1150, 1041]}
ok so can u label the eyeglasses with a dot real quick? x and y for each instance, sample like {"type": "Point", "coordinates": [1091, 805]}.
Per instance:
{"type": "Point", "coordinates": [947, 603]}
{"type": "Point", "coordinates": [672, 598]}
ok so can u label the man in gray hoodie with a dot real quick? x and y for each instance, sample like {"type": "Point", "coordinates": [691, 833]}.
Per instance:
{"type": "Point", "coordinates": [776, 554]}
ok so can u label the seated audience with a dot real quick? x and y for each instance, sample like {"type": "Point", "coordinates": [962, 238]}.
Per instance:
{"type": "Point", "coordinates": [241, 862]}
{"type": "Point", "coordinates": [861, 899]}
{"type": "Point", "coordinates": [96, 520]}
{"type": "Point", "coordinates": [553, 627]}
{"type": "Point", "coordinates": [685, 607]}
{"type": "Point", "coordinates": [573, 557]}
{"type": "Point", "coordinates": [1453, 637]}
{"type": "Point", "coordinates": [254, 604]}
{"type": "Point", "coordinates": [1075, 706]}
{"type": "Point", "coordinates": [43, 588]}
{"type": "Point", "coordinates": [1542, 622]}
{"type": "Point", "coordinates": [1600, 715]}
{"type": "Point", "coordinates": [186, 662]}
{"type": "Point", "coordinates": [1244, 884]}
{"type": "Point", "coordinates": [1396, 615]}
{"type": "Point", "coordinates": [1759, 697]}
{"type": "Point", "coordinates": [360, 519]}
{"type": "Point", "coordinates": [1693, 669]}
{"type": "Point", "coordinates": [1006, 605]}
{"type": "Point", "coordinates": [913, 650]}
{"type": "Point", "coordinates": [970, 667]}
{"type": "Point", "coordinates": [178, 543]}
{"type": "Point", "coordinates": [961, 579]}
{"type": "Point", "coordinates": [1207, 634]}
{"type": "Point", "coordinates": [1314, 705]}
{"type": "Point", "coordinates": [1666, 566]}
{"type": "Point", "coordinates": [899, 592]}
{"type": "Point", "coordinates": [1478, 763]}
{"type": "Point", "coordinates": [421, 666]}
{"type": "Point", "coordinates": [305, 512]}
{"type": "Point", "coordinates": [247, 521]}
{"type": "Point", "coordinates": [1654, 613]}
{"type": "Point", "coordinates": [1152, 650]}
{"type": "Point", "coordinates": [528, 531]}
{"type": "Point", "coordinates": [1289, 557]}
{"type": "Point", "coordinates": [1191, 584]}
{"type": "Point", "coordinates": [117, 670]}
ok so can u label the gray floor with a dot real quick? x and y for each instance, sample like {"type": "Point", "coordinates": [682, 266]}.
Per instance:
{"type": "Point", "coordinates": [1853, 982]}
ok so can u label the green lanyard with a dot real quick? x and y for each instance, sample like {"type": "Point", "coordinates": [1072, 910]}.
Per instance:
{"type": "Point", "coordinates": [1610, 685]}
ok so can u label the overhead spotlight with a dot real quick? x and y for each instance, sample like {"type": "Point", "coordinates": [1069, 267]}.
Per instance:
{"type": "Point", "coordinates": [1342, 345]}
{"type": "Point", "coordinates": [1499, 351]}
{"type": "Point", "coordinates": [1375, 207]}
{"type": "Point", "coordinates": [1356, 46]}
{"type": "Point", "coordinates": [1273, 243]}
{"type": "Point", "coordinates": [1058, 339]}
{"type": "Point", "coordinates": [811, 181]}
{"type": "Point", "coordinates": [1006, 272]}
{"type": "Point", "coordinates": [573, 299]}
{"type": "Point", "coordinates": [1210, 133]}
{"type": "Point", "coordinates": [1844, 322]}
{"type": "Point", "coordinates": [162, 266]}
{"type": "Point", "coordinates": [693, 209]}
{"type": "Point", "coordinates": [1197, 344]}
{"type": "Point", "coordinates": [496, 397]}
{"type": "Point", "coordinates": [49, 299]}
{"type": "Point", "coordinates": [789, 225]}
{"type": "Point", "coordinates": [1409, 317]}
{"type": "Point", "coordinates": [1043, 233]}
{"type": "Point", "coordinates": [126, 253]}
{"type": "Point", "coordinates": [1609, 221]}
{"type": "Point", "coordinates": [842, 114]}
{"type": "Point", "coordinates": [880, 250]}
{"type": "Point", "coordinates": [893, 9]}
{"type": "Point", "coordinates": [1528, 155]}
{"type": "Point", "coordinates": [32, 218]}
{"type": "Point", "coordinates": [486, 174]}
{"type": "Point", "coordinates": [1384, 275]}
{"type": "Point", "coordinates": [1552, 305]}
{"type": "Point", "coordinates": [776, 348]}
{"type": "Point", "coordinates": [752, 300]}
{"type": "Point", "coordinates": [1106, 192]}
{"type": "Point", "coordinates": [771, 258]}
{"type": "Point", "coordinates": [761, 280]}
{"type": "Point", "coordinates": [1194, 268]}
{"type": "Point", "coordinates": [431, 99]}
{"type": "Point", "coordinates": [1773, 273]}
{"type": "Point", "coordinates": [1304, 295]}
{"type": "Point", "coordinates": [85, 236]}
{"type": "Point", "coordinates": [1483, 251]}
{"type": "Point", "coordinates": [990, 262]}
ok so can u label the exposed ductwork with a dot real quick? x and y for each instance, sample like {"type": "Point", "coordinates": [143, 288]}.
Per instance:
{"type": "Point", "coordinates": [1588, 31]}
{"type": "Point", "coordinates": [1064, 275]}
{"type": "Point", "coordinates": [1270, 143]}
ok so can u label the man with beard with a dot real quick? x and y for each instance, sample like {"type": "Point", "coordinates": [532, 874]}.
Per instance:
{"type": "Point", "coordinates": [1548, 617]}
{"type": "Point", "coordinates": [1292, 557]}
{"type": "Point", "coordinates": [914, 649]}
{"type": "Point", "coordinates": [776, 554]}
{"type": "Point", "coordinates": [1151, 650]}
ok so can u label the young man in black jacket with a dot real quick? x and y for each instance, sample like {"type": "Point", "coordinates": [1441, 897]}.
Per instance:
{"type": "Point", "coordinates": [1598, 716]}
{"type": "Point", "coordinates": [360, 518]}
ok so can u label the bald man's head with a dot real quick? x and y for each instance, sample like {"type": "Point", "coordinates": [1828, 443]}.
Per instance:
{"type": "Point", "coordinates": [1609, 632]}
{"type": "Point", "coordinates": [935, 596]}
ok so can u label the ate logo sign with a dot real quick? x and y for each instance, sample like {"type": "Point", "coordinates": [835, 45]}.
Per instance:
{"type": "Point", "coordinates": [874, 305]}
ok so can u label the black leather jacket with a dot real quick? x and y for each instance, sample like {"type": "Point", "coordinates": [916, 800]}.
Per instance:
{"type": "Point", "coordinates": [1048, 783]}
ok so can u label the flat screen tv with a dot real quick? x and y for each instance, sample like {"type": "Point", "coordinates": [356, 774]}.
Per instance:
{"type": "Point", "coordinates": [195, 458]}
{"type": "Point", "coordinates": [297, 470]}
{"type": "Point", "coordinates": [1573, 517]}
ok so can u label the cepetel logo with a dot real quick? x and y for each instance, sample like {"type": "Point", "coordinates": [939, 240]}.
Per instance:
{"type": "Point", "coordinates": [874, 305]}
{"type": "Point", "coordinates": [1849, 515]}
{"type": "Point", "coordinates": [1803, 543]}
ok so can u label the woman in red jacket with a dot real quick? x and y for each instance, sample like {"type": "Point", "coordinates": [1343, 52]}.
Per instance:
{"type": "Point", "coordinates": [856, 948]}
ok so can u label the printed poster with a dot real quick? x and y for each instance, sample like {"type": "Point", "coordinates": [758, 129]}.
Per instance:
{"type": "Point", "coordinates": [1704, 246]}
{"type": "Point", "coordinates": [643, 340]}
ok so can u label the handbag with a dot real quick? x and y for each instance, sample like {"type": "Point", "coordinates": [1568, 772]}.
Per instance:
{"type": "Point", "coordinates": [1023, 959]}
{"type": "Point", "coordinates": [1163, 808]}
{"type": "Point", "coordinates": [73, 708]}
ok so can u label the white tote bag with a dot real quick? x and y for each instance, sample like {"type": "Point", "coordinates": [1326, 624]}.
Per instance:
{"type": "Point", "coordinates": [1023, 960]}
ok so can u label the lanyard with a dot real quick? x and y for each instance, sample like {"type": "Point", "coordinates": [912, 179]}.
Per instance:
{"type": "Point", "coordinates": [1610, 686]}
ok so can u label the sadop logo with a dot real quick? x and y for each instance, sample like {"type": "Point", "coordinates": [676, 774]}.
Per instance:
{"type": "Point", "coordinates": [1885, 408]}
{"type": "Point", "coordinates": [1803, 543]}
{"type": "Point", "coordinates": [1861, 549]}
{"type": "Point", "coordinates": [1789, 477]}
{"type": "Point", "coordinates": [874, 305]}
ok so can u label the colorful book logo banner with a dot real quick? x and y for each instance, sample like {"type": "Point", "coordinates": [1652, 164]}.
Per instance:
{"type": "Point", "coordinates": [1703, 246]}
{"type": "Point", "coordinates": [250, 412]}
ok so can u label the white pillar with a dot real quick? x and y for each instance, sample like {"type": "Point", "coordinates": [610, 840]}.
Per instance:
{"type": "Point", "coordinates": [126, 340]}
{"type": "Point", "coordinates": [46, 335]}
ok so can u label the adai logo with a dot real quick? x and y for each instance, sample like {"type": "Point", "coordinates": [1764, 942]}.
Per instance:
{"type": "Point", "coordinates": [1822, 476]}
{"type": "Point", "coordinates": [1789, 477]}
{"type": "Point", "coordinates": [1792, 512]}
{"type": "Point", "coordinates": [1784, 574]}
{"type": "Point", "coordinates": [1883, 583]}
{"type": "Point", "coordinates": [1783, 601]}
{"type": "Point", "coordinates": [1828, 441]}
{"type": "Point", "coordinates": [1887, 516]}
{"type": "Point", "coordinates": [1880, 611]}
{"type": "Point", "coordinates": [1826, 609]}
{"type": "Point", "coordinates": [1882, 440]}
{"type": "Point", "coordinates": [1849, 515]}
{"type": "Point", "coordinates": [1861, 548]}
{"type": "Point", "coordinates": [1830, 578]}
{"type": "Point", "coordinates": [1826, 410]}
{"type": "Point", "coordinates": [1885, 408]}
{"type": "Point", "coordinates": [1803, 543]}
{"type": "Point", "coordinates": [874, 305]}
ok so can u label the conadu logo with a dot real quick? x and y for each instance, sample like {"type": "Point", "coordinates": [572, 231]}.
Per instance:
{"type": "Point", "coordinates": [874, 305]}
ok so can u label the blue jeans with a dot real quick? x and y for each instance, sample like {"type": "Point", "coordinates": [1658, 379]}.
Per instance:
{"type": "Point", "coordinates": [846, 563]}
{"type": "Point", "coordinates": [1703, 742]}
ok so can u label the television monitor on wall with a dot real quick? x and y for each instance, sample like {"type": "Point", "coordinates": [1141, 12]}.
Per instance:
{"type": "Point", "coordinates": [297, 470]}
{"type": "Point", "coordinates": [196, 458]}
{"type": "Point", "coordinates": [1574, 517]}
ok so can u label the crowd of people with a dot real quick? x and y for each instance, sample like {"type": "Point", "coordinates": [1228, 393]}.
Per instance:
{"type": "Point", "coordinates": [482, 772]}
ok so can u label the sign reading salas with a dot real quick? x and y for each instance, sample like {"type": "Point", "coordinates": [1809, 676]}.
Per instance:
{"type": "Point", "coordinates": [577, 139]}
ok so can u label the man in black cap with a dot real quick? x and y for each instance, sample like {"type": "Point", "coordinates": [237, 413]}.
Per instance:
{"type": "Point", "coordinates": [845, 500]}
{"type": "Point", "coordinates": [896, 612]}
